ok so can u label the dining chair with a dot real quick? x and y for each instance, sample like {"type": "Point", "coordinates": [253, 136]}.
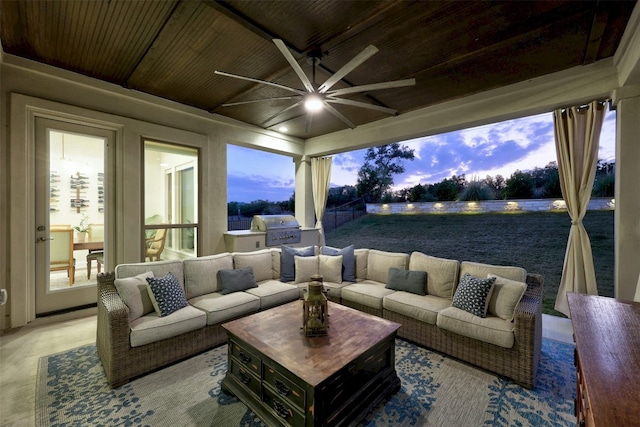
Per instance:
{"type": "Point", "coordinates": [61, 252]}
{"type": "Point", "coordinates": [155, 244]}
{"type": "Point", "coordinates": [96, 233]}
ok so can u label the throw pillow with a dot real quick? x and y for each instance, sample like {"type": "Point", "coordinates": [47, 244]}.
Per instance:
{"type": "Point", "coordinates": [166, 294]}
{"type": "Point", "coordinates": [133, 291]}
{"type": "Point", "coordinates": [236, 280]}
{"type": "Point", "coordinates": [473, 294]}
{"type": "Point", "coordinates": [505, 297]}
{"type": "Point", "coordinates": [348, 260]}
{"type": "Point", "coordinates": [305, 267]}
{"type": "Point", "coordinates": [287, 262]}
{"type": "Point", "coordinates": [407, 281]}
{"type": "Point", "coordinates": [330, 268]}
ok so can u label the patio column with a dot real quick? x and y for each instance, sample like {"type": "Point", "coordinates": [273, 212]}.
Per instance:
{"type": "Point", "coordinates": [305, 213]}
{"type": "Point", "coordinates": [627, 221]}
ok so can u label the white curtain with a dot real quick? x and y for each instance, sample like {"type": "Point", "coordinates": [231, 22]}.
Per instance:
{"type": "Point", "coordinates": [320, 178]}
{"type": "Point", "coordinates": [577, 135]}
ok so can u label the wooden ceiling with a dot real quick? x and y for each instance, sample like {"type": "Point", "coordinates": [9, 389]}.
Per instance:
{"type": "Point", "coordinates": [172, 48]}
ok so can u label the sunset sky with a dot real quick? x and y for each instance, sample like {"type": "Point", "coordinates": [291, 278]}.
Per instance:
{"type": "Point", "coordinates": [500, 148]}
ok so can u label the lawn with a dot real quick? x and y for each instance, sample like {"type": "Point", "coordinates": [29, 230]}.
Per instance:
{"type": "Point", "coordinates": [534, 240]}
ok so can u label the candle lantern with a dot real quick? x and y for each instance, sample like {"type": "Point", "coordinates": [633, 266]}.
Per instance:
{"type": "Point", "coordinates": [315, 316]}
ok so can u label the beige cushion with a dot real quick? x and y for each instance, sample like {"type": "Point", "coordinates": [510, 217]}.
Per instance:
{"type": "Point", "coordinates": [423, 308]}
{"type": "Point", "coordinates": [221, 308]}
{"type": "Point", "coordinates": [159, 269]}
{"type": "Point", "coordinates": [305, 267]}
{"type": "Point", "coordinates": [152, 327]}
{"type": "Point", "coordinates": [442, 274]}
{"type": "Point", "coordinates": [506, 296]}
{"type": "Point", "coordinates": [367, 293]}
{"type": "Point", "coordinates": [200, 274]}
{"type": "Point", "coordinates": [274, 292]}
{"type": "Point", "coordinates": [330, 268]}
{"type": "Point", "coordinates": [477, 269]}
{"type": "Point", "coordinates": [362, 256]}
{"type": "Point", "coordinates": [493, 330]}
{"type": "Point", "coordinates": [379, 263]}
{"type": "Point", "coordinates": [133, 291]}
{"type": "Point", "coordinates": [260, 261]}
{"type": "Point", "coordinates": [275, 262]}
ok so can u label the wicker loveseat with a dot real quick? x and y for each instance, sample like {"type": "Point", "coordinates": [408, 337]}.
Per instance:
{"type": "Point", "coordinates": [127, 349]}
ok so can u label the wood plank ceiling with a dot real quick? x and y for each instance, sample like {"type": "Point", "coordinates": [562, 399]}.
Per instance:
{"type": "Point", "coordinates": [171, 48]}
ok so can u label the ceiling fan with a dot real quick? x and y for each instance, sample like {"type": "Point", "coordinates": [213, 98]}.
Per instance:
{"type": "Point", "coordinates": [316, 98]}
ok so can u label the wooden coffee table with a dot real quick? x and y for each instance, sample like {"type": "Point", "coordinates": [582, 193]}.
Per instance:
{"type": "Point", "coordinates": [289, 379]}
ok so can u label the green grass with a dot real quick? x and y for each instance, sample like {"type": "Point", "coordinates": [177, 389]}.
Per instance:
{"type": "Point", "coordinates": [534, 240]}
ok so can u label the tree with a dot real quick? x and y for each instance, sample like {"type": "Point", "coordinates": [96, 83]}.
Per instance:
{"type": "Point", "coordinates": [375, 176]}
{"type": "Point", "coordinates": [519, 186]}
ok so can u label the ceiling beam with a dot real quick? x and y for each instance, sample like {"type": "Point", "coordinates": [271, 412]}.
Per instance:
{"type": "Point", "coordinates": [598, 26]}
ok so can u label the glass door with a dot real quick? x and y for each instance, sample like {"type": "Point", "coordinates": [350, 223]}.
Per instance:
{"type": "Point", "coordinates": [70, 211]}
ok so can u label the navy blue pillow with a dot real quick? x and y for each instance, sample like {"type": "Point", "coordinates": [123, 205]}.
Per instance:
{"type": "Point", "coordinates": [348, 260]}
{"type": "Point", "coordinates": [166, 294]}
{"type": "Point", "coordinates": [287, 261]}
{"type": "Point", "coordinates": [473, 294]}
{"type": "Point", "coordinates": [236, 280]}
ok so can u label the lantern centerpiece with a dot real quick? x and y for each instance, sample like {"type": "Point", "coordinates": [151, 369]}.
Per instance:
{"type": "Point", "coordinates": [315, 314]}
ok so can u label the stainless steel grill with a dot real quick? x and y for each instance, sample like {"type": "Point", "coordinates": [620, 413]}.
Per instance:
{"type": "Point", "coordinates": [280, 229]}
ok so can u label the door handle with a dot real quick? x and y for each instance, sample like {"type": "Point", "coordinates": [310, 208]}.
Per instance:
{"type": "Point", "coordinates": [44, 239]}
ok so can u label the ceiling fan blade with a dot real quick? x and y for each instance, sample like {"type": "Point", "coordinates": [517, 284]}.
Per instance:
{"type": "Point", "coordinates": [367, 53]}
{"type": "Point", "coordinates": [307, 128]}
{"type": "Point", "coordinates": [338, 115]}
{"type": "Point", "coordinates": [294, 64]}
{"type": "Point", "coordinates": [362, 105]}
{"type": "Point", "coordinates": [264, 82]}
{"type": "Point", "coordinates": [373, 86]}
{"type": "Point", "coordinates": [281, 98]}
{"type": "Point", "coordinates": [291, 107]}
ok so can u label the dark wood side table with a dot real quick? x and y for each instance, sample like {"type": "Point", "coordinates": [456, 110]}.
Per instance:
{"type": "Point", "coordinates": [607, 335]}
{"type": "Point", "coordinates": [288, 379]}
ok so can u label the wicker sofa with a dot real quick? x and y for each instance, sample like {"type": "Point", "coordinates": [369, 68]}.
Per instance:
{"type": "Point", "coordinates": [130, 346]}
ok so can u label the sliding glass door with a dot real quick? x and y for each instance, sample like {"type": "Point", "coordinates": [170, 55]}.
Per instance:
{"type": "Point", "coordinates": [171, 201]}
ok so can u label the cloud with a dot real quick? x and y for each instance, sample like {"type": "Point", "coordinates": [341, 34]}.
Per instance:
{"type": "Point", "coordinates": [495, 149]}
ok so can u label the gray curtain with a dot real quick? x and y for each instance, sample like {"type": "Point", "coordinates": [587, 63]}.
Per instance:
{"type": "Point", "coordinates": [577, 135]}
{"type": "Point", "coordinates": [320, 178]}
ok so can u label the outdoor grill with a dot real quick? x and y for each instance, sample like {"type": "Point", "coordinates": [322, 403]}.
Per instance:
{"type": "Point", "coordinates": [280, 229]}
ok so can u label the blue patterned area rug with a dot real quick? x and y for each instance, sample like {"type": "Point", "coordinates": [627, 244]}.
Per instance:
{"type": "Point", "coordinates": [436, 391]}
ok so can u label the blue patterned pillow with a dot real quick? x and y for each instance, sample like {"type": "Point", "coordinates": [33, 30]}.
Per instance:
{"type": "Point", "coordinates": [166, 294]}
{"type": "Point", "coordinates": [473, 294]}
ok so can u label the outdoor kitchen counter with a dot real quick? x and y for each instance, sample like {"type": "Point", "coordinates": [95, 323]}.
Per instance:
{"type": "Point", "coordinates": [247, 240]}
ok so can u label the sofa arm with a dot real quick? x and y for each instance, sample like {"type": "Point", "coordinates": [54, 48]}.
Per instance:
{"type": "Point", "coordinates": [528, 318]}
{"type": "Point", "coordinates": [112, 338]}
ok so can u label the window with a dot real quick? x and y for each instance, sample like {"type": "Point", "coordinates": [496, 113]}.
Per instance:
{"type": "Point", "coordinates": [171, 201]}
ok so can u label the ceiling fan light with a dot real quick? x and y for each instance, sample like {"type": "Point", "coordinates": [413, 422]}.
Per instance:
{"type": "Point", "coordinates": [313, 103]}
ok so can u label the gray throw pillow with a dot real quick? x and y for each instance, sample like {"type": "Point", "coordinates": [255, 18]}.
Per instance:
{"type": "Point", "coordinates": [408, 281]}
{"type": "Point", "coordinates": [473, 294]}
{"type": "Point", "coordinates": [348, 260]}
{"type": "Point", "coordinates": [236, 280]}
{"type": "Point", "coordinates": [287, 261]}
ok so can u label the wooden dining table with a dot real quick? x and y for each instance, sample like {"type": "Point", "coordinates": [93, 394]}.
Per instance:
{"type": "Point", "coordinates": [91, 245]}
